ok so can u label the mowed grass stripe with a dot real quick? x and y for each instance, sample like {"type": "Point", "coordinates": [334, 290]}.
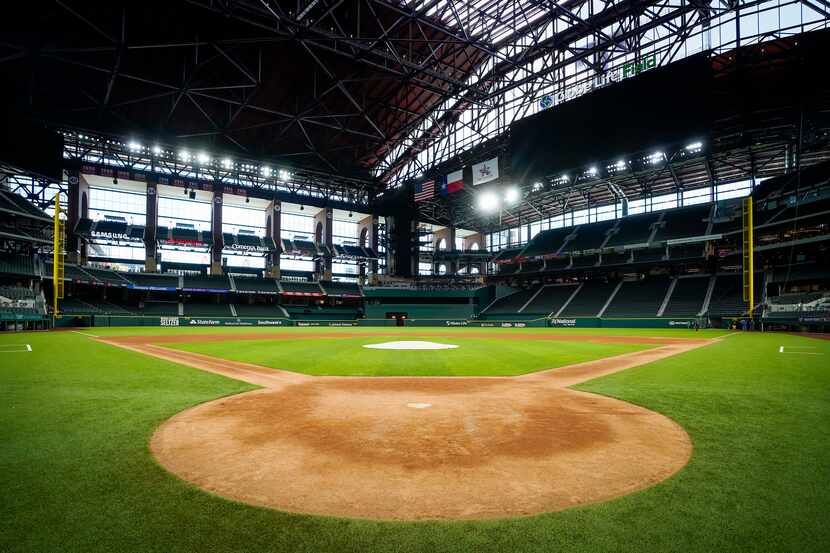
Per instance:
{"type": "Point", "coordinates": [76, 474]}
{"type": "Point", "coordinates": [347, 357]}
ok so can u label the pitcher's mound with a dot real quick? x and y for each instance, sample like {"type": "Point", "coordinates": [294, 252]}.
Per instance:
{"type": "Point", "coordinates": [410, 344]}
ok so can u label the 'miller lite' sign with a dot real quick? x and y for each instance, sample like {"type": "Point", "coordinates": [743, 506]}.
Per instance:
{"type": "Point", "coordinates": [613, 76]}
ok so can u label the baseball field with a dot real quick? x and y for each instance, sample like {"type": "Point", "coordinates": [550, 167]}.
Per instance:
{"type": "Point", "coordinates": [438, 439]}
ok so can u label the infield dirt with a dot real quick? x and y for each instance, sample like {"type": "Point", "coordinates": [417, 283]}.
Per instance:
{"type": "Point", "coordinates": [486, 447]}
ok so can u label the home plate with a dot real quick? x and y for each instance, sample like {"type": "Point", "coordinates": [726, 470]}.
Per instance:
{"type": "Point", "coordinates": [410, 345]}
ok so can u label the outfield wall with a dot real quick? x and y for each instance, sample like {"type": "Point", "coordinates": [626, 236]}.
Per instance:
{"type": "Point", "coordinates": [580, 322]}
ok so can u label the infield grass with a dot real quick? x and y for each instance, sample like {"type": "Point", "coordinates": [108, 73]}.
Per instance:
{"type": "Point", "coordinates": [346, 356]}
{"type": "Point", "coordinates": [76, 474]}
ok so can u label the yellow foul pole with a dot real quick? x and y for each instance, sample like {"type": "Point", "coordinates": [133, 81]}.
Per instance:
{"type": "Point", "coordinates": [748, 256]}
{"type": "Point", "coordinates": [57, 257]}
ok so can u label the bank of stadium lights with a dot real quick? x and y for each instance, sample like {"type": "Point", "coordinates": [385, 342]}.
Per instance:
{"type": "Point", "coordinates": [617, 167]}
{"type": "Point", "coordinates": [491, 201]}
{"type": "Point", "coordinates": [284, 175]}
{"type": "Point", "coordinates": [592, 171]}
{"type": "Point", "coordinates": [537, 186]}
{"type": "Point", "coordinates": [184, 155]}
{"type": "Point", "coordinates": [157, 150]}
{"type": "Point", "coordinates": [694, 147]}
{"type": "Point", "coordinates": [655, 158]}
{"type": "Point", "coordinates": [488, 202]}
{"type": "Point", "coordinates": [203, 158]}
{"type": "Point", "coordinates": [511, 196]}
{"type": "Point", "coordinates": [266, 171]}
{"type": "Point", "coordinates": [227, 163]}
{"type": "Point", "coordinates": [134, 146]}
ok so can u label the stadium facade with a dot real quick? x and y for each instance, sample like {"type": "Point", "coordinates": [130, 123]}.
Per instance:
{"type": "Point", "coordinates": [603, 184]}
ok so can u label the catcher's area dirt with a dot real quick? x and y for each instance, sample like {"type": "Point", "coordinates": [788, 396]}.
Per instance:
{"type": "Point", "coordinates": [419, 448]}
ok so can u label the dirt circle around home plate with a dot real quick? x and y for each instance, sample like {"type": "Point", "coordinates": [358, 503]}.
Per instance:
{"type": "Point", "coordinates": [473, 448]}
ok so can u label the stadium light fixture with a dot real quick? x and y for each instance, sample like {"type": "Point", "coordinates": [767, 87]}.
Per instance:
{"type": "Point", "coordinates": [134, 146]}
{"type": "Point", "coordinates": [266, 171]}
{"type": "Point", "coordinates": [511, 195]}
{"type": "Point", "coordinates": [592, 171]}
{"type": "Point", "coordinates": [537, 186]}
{"type": "Point", "coordinates": [694, 147]}
{"type": "Point", "coordinates": [184, 155]}
{"type": "Point", "coordinates": [284, 175]}
{"type": "Point", "coordinates": [203, 158]}
{"type": "Point", "coordinates": [488, 202]}
{"type": "Point", "coordinates": [227, 163]}
{"type": "Point", "coordinates": [656, 157]}
{"type": "Point", "coordinates": [157, 149]}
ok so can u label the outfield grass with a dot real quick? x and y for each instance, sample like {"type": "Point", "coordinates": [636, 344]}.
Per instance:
{"type": "Point", "coordinates": [347, 356]}
{"type": "Point", "coordinates": [76, 473]}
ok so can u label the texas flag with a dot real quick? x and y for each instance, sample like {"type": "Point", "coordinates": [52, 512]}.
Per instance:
{"type": "Point", "coordinates": [452, 182]}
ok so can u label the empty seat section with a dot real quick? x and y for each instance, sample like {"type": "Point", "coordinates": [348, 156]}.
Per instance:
{"type": "Point", "coordinates": [511, 303]}
{"type": "Point", "coordinates": [648, 255]}
{"type": "Point", "coordinates": [532, 266]}
{"type": "Point", "coordinates": [73, 273]}
{"type": "Point", "coordinates": [153, 280]}
{"type": "Point", "coordinates": [590, 237]}
{"type": "Point", "coordinates": [727, 295]}
{"type": "Point", "coordinates": [584, 261]}
{"type": "Point", "coordinates": [615, 258]}
{"type": "Point", "coordinates": [12, 264]}
{"type": "Point", "coordinates": [341, 288]}
{"type": "Point", "coordinates": [205, 309]}
{"type": "Point", "coordinates": [107, 277]}
{"type": "Point", "coordinates": [300, 287]}
{"type": "Point", "coordinates": [558, 263]}
{"type": "Point", "coordinates": [590, 299]}
{"type": "Point", "coordinates": [18, 300]}
{"type": "Point", "coordinates": [546, 242]}
{"type": "Point", "coordinates": [206, 282]}
{"type": "Point", "coordinates": [640, 298]}
{"type": "Point", "coordinates": [258, 310]}
{"type": "Point", "coordinates": [787, 211]}
{"type": "Point", "coordinates": [686, 251]}
{"type": "Point", "coordinates": [75, 306]}
{"type": "Point", "coordinates": [635, 229]}
{"type": "Point", "coordinates": [727, 218]}
{"type": "Point", "coordinates": [687, 297]}
{"type": "Point", "coordinates": [683, 223]}
{"type": "Point", "coordinates": [164, 308]}
{"type": "Point", "coordinates": [550, 299]}
{"type": "Point", "coordinates": [507, 254]}
{"type": "Point", "coordinates": [305, 246]}
{"type": "Point", "coordinates": [250, 284]}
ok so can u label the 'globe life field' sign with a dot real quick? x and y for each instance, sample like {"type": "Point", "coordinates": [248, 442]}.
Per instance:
{"type": "Point", "coordinates": [599, 81]}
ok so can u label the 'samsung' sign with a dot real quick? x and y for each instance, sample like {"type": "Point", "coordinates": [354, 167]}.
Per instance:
{"type": "Point", "coordinates": [599, 81]}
